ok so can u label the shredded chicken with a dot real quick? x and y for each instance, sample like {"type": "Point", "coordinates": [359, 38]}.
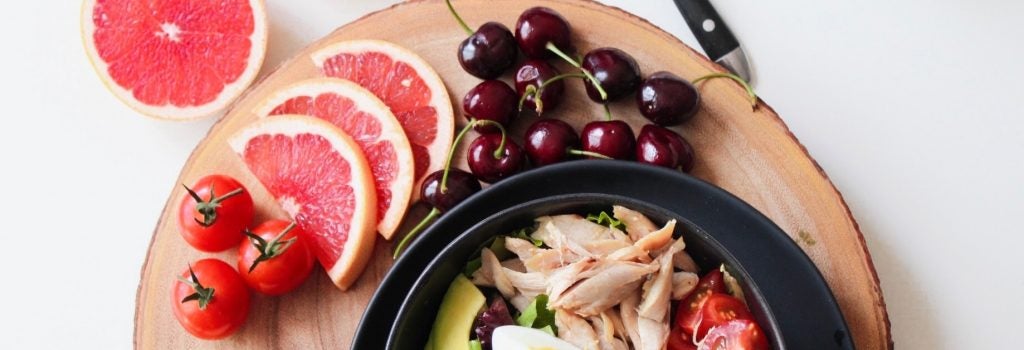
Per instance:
{"type": "Point", "coordinates": [575, 330]}
{"type": "Point", "coordinates": [606, 334]}
{"type": "Point", "coordinates": [658, 239]}
{"type": "Point", "coordinates": [656, 297]}
{"type": "Point", "coordinates": [684, 261]}
{"type": "Point", "coordinates": [637, 225]}
{"type": "Point", "coordinates": [611, 282]}
{"type": "Point", "coordinates": [630, 319]}
{"type": "Point", "coordinates": [610, 289]}
{"type": "Point", "coordinates": [683, 283]}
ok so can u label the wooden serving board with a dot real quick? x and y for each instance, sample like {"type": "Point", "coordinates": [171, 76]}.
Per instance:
{"type": "Point", "coordinates": [749, 153]}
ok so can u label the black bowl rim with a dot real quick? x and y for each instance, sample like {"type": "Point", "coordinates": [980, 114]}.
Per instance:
{"type": "Point", "coordinates": [803, 287]}
{"type": "Point", "coordinates": [750, 288]}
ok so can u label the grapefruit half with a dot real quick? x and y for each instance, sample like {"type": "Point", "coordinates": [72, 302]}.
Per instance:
{"type": "Point", "coordinates": [321, 179]}
{"type": "Point", "coordinates": [175, 59]}
{"type": "Point", "coordinates": [408, 85]}
{"type": "Point", "coordinates": [370, 123]}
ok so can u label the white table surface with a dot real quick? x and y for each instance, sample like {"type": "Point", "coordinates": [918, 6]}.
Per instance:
{"type": "Point", "coordinates": [912, 107]}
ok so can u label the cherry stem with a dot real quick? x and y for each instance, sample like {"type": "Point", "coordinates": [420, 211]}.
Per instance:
{"type": "Point", "coordinates": [536, 92]}
{"type": "Point", "coordinates": [530, 91]}
{"type": "Point", "coordinates": [415, 231]}
{"type": "Point", "coordinates": [551, 47]}
{"type": "Point", "coordinates": [746, 86]}
{"type": "Point", "coordinates": [588, 153]}
{"type": "Point", "coordinates": [451, 154]}
{"type": "Point", "coordinates": [458, 18]}
{"type": "Point", "coordinates": [607, 112]}
{"type": "Point", "coordinates": [560, 77]}
{"type": "Point", "coordinates": [501, 146]}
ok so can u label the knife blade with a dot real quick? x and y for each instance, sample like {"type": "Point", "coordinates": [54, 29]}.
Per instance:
{"type": "Point", "coordinates": [714, 36]}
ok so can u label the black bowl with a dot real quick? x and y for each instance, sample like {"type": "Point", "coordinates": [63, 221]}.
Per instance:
{"type": "Point", "coordinates": [805, 309]}
{"type": "Point", "coordinates": [420, 307]}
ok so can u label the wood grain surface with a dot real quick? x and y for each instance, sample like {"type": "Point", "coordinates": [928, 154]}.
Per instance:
{"type": "Point", "coordinates": [750, 153]}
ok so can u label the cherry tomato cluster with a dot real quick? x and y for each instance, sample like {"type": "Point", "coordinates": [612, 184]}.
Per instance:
{"type": "Point", "coordinates": [712, 318]}
{"type": "Point", "coordinates": [211, 298]}
{"type": "Point", "coordinates": [608, 74]}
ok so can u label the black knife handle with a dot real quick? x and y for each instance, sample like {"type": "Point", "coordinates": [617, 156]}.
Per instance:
{"type": "Point", "coordinates": [717, 42]}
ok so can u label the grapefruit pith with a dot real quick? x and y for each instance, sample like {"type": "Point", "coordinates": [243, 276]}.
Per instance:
{"type": "Point", "coordinates": [407, 85]}
{"type": "Point", "coordinates": [370, 123]}
{"type": "Point", "coordinates": [175, 59]}
{"type": "Point", "coordinates": [318, 175]}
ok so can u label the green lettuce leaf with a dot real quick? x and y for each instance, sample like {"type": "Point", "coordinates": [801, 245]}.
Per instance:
{"type": "Point", "coordinates": [522, 234]}
{"type": "Point", "coordinates": [607, 220]}
{"type": "Point", "coordinates": [538, 316]}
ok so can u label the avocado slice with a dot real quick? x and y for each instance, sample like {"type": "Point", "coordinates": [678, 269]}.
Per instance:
{"type": "Point", "coordinates": [459, 308]}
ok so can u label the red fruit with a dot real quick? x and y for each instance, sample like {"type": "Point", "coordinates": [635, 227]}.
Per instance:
{"type": "Point", "coordinates": [613, 139]}
{"type": "Point", "coordinates": [209, 299]}
{"type": "Point", "coordinates": [689, 309]}
{"type": "Point", "coordinates": [485, 166]}
{"type": "Point", "coordinates": [275, 259]}
{"type": "Point", "coordinates": [214, 213]}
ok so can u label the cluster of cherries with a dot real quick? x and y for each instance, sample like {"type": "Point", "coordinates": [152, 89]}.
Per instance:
{"type": "Point", "coordinates": [608, 74]}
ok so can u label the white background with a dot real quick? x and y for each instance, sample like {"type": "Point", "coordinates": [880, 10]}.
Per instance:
{"type": "Point", "coordinates": [912, 107]}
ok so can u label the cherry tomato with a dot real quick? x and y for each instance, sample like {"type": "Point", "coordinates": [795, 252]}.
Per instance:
{"type": "Point", "coordinates": [275, 259]}
{"type": "Point", "coordinates": [679, 340]}
{"type": "Point", "coordinates": [214, 213]}
{"type": "Point", "coordinates": [735, 335]}
{"type": "Point", "coordinates": [209, 299]}
{"type": "Point", "coordinates": [689, 309]}
{"type": "Point", "coordinates": [718, 310]}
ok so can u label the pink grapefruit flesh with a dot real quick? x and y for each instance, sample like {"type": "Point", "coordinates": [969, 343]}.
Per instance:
{"type": "Point", "coordinates": [321, 179]}
{"type": "Point", "coordinates": [407, 85]}
{"type": "Point", "coordinates": [175, 59]}
{"type": "Point", "coordinates": [370, 123]}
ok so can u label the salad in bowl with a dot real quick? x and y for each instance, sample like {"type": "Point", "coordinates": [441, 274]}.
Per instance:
{"type": "Point", "coordinates": [610, 279]}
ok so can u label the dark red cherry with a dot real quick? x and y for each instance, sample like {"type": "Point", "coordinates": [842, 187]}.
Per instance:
{"type": "Point", "coordinates": [489, 51]}
{"type": "Point", "coordinates": [667, 99]}
{"type": "Point", "coordinates": [460, 186]}
{"type": "Point", "coordinates": [482, 162]}
{"type": "Point", "coordinates": [539, 26]}
{"type": "Point", "coordinates": [535, 73]}
{"type": "Point", "coordinates": [663, 147]}
{"type": "Point", "coordinates": [550, 141]}
{"type": "Point", "coordinates": [613, 138]}
{"type": "Point", "coordinates": [614, 69]}
{"type": "Point", "coordinates": [491, 100]}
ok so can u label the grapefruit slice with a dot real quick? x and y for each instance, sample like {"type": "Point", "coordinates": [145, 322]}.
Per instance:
{"type": "Point", "coordinates": [370, 123]}
{"type": "Point", "coordinates": [175, 59]}
{"type": "Point", "coordinates": [318, 175]}
{"type": "Point", "coordinates": [408, 85]}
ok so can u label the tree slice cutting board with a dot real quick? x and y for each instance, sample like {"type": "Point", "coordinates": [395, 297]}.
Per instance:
{"type": "Point", "coordinates": [750, 153]}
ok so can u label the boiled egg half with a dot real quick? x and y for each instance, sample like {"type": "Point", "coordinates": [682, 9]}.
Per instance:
{"type": "Point", "coordinates": [525, 338]}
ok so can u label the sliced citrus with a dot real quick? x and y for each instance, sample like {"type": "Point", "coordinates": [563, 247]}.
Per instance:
{"type": "Point", "coordinates": [370, 123]}
{"type": "Point", "coordinates": [408, 85]}
{"type": "Point", "coordinates": [175, 59]}
{"type": "Point", "coordinates": [319, 176]}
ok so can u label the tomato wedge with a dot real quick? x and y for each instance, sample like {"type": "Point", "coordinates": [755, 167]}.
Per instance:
{"type": "Point", "coordinates": [718, 310]}
{"type": "Point", "coordinates": [737, 334]}
{"type": "Point", "coordinates": [679, 340]}
{"type": "Point", "coordinates": [688, 312]}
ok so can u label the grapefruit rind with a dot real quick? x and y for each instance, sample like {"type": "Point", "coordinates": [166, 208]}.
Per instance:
{"type": "Point", "coordinates": [362, 234]}
{"type": "Point", "coordinates": [439, 98]}
{"type": "Point", "coordinates": [391, 130]}
{"type": "Point", "coordinates": [230, 92]}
